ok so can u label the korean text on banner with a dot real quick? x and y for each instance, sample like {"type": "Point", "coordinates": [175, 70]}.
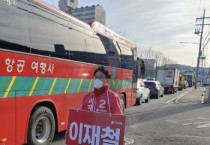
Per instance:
{"type": "Point", "coordinates": [92, 128]}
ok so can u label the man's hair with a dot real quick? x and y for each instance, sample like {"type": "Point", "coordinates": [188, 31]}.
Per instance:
{"type": "Point", "coordinates": [104, 71]}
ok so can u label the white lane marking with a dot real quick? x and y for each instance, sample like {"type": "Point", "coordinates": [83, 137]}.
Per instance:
{"type": "Point", "coordinates": [171, 100]}
{"type": "Point", "coordinates": [178, 97]}
{"type": "Point", "coordinates": [194, 123]}
{"type": "Point", "coordinates": [203, 126]}
{"type": "Point", "coordinates": [187, 123]}
{"type": "Point", "coordinates": [196, 118]}
{"type": "Point", "coordinates": [172, 121]}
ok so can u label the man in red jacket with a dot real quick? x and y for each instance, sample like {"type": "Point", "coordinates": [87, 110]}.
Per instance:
{"type": "Point", "coordinates": [102, 99]}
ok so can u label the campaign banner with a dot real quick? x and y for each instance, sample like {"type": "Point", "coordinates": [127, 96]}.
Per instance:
{"type": "Point", "coordinates": [93, 128]}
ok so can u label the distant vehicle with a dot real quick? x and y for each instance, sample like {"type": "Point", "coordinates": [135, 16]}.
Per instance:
{"type": "Point", "coordinates": [181, 82]}
{"type": "Point", "coordinates": [143, 93]}
{"type": "Point", "coordinates": [156, 89]}
{"type": "Point", "coordinates": [190, 78]}
{"type": "Point", "coordinates": [169, 79]}
{"type": "Point", "coordinates": [186, 84]}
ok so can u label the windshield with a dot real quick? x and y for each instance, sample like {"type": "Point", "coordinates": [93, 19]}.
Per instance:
{"type": "Point", "coordinates": [150, 84]}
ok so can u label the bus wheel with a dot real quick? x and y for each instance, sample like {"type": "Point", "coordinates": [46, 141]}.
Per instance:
{"type": "Point", "coordinates": [122, 99]}
{"type": "Point", "coordinates": [41, 127]}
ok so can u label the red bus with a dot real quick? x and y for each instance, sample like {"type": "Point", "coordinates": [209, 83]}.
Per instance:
{"type": "Point", "coordinates": [47, 60]}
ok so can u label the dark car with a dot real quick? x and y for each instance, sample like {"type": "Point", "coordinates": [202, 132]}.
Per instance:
{"type": "Point", "coordinates": [156, 89]}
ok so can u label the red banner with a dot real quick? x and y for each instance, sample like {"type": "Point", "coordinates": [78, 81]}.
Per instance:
{"type": "Point", "coordinates": [92, 128]}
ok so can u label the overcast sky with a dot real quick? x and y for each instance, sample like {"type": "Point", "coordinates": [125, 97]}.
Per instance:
{"type": "Point", "coordinates": [160, 24]}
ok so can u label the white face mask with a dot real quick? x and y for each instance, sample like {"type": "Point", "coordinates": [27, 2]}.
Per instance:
{"type": "Point", "coordinates": [98, 83]}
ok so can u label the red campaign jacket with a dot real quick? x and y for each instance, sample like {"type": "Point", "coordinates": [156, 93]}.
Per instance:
{"type": "Point", "coordinates": [103, 100]}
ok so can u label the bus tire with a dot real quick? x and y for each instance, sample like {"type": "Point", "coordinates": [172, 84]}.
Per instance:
{"type": "Point", "coordinates": [122, 99]}
{"type": "Point", "coordinates": [41, 127]}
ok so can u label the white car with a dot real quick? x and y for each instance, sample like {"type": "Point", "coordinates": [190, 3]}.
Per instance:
{"type": "Point", "coordinates": [143, 93]}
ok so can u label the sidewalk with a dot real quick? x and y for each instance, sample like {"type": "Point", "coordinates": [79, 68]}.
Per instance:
{"type": "Point", "coordinates": [199, 95]}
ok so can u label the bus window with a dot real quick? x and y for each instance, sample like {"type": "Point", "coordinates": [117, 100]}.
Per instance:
{"type": "Point", "coordinates": [111, 51]}
{"type": "Point", "coordinates": [14, 30]}
{"type": "Point", "coordinates": [47, 30]}
{"type": "Point", "coordinates": [81, 46]}
{"type": "Point", "coordinates": [60, 51]}
{"type": "Point", "coordinates": [127, 59]}
{"type": "Point", "coordinates": [117, 47]}
{"type": "Point", "coordinates": [100, 56]}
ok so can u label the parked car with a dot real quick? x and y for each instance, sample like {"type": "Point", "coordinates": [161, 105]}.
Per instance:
{"type": "Point", "coordinates": [143, 93]}
{"type": "Point", "coordinates": [156, 89]}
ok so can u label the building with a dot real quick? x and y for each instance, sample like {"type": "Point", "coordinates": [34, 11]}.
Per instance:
{"type": "Point", "coordinates": [68, 5]}
{"type": "Point", "coordinates": [90, 13]}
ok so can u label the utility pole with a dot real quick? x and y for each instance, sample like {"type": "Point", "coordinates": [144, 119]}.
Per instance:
{"type": "Point", "coordinates": [200, 44]}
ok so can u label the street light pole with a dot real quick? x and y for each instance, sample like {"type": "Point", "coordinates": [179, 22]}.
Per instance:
{"type": "Point", "coordinates": [199, 52]}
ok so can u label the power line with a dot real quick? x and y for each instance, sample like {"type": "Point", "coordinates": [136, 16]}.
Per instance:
{"type": "Point", "coordinates": [206, 43]}
{"type": "Point", "coordinates": [201, 49]}
{"type": "Point", "coordinates": [199, 52]}
{"type": "Point", "coordinates": [206, 37]}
